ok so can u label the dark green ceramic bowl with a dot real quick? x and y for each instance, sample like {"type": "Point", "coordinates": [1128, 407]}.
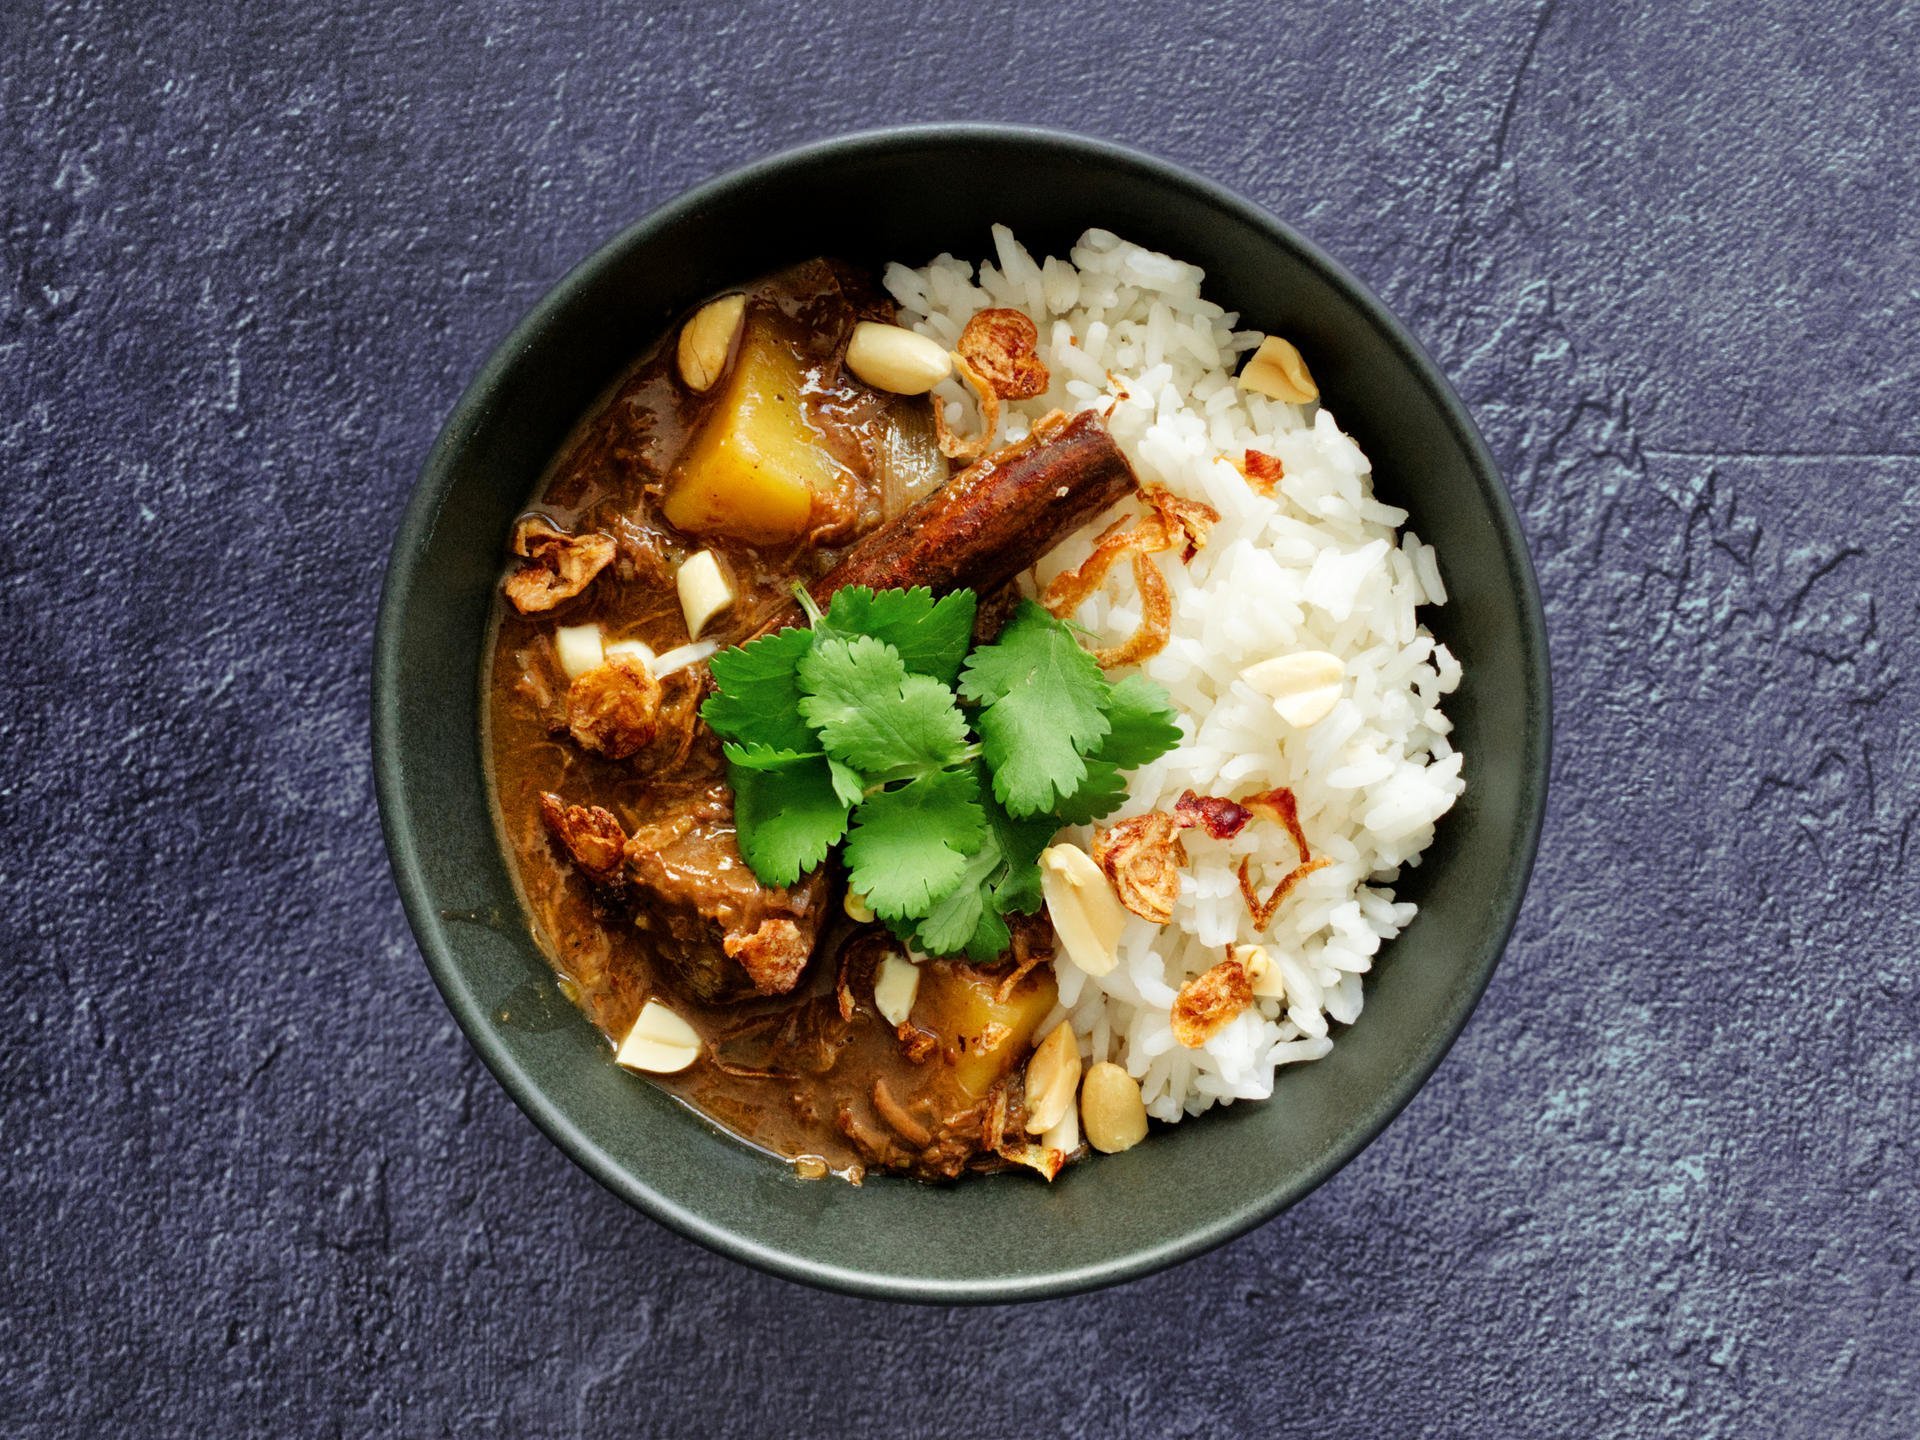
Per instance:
{"type": "Point", "coordinates": [910, 194]}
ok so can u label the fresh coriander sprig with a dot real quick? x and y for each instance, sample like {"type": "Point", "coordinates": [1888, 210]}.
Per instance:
{"type": "Point", "coordinates": [850, 732]}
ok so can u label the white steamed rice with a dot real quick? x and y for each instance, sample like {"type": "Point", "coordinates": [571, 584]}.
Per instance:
{"type": "Point", "coordinates": [1320, 566]}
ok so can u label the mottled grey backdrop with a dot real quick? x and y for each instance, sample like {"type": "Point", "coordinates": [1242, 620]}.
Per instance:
{"type": "Point", "coordinates": [254, 1181]}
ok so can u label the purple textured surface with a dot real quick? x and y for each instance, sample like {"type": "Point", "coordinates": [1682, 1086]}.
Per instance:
{"type": "Point", "coordinates": [255, 1181]}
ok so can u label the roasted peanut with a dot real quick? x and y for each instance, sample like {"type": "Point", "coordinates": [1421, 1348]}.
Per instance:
{"type": "Point", "coordinates": [1053, 1076]}
{"type": "Point", "coordinates": [660, 1042]}
{"type": "Point", "coordinates": [1278, 370]}
{"type": "Point", "coordinates": [892, 358]}
{"type": "Point", "coordinates": [1111, 1109]}
{"type": "Point", "coordinates": [707, 340]}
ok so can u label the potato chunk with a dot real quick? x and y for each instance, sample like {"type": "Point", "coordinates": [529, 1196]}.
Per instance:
{"type": "Point", "coordinates": [755, 466]}
{"type": "Point", "coordinates": [986, 1035]}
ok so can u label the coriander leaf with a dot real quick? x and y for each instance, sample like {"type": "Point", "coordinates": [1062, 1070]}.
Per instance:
{"type": "Point", "coordinates": [1016, 882]}
{"type": "Point", "coordinates": [1045, 702]}
{"type": "Point", "coordinates": [873, 715]}
{"type": "Point", "coordinates": [1142, 717]}
{"type": "Point", "coordinates": [765, 757]}
{"type": "Point", "coordinates": [931, 635]}
{"type": "Point", "coordinates": [1099, 795]}
{"type": "Point", "coordinates": [954, 924]}
{"type": "Point", "coordinates": [909, 847]}
{"type": "Point", "coordinates": [756, 696]}
{"type": "Point", "coordinates": [1003, 876]}
{"type": "Point", "coordinates": [847, 783]}
{"type": "Point", "coordinates": [785, 811]}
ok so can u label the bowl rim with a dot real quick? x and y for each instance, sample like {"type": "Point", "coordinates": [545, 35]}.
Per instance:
{"type": "Point", "coordinates": [399, 827]}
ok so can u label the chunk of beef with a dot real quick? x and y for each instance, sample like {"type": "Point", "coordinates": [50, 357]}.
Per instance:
{"type": "Point", "coordinates": [707, 912]}
{"type": "Point", "coordinates": [692, 895]}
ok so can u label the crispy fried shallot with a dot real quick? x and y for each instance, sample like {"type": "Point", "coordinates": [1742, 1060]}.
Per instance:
{"type": "Point", "coordinates": [592, 837]}
{"type": "Point", "coordinates": [1142, 857]}
{"type": "Point", "coordinates": [1277, 805]}
{"type": "Point", "coordinates": [773, 954]}
{"type": "Point", "coordinates": [1187, 522]}
{"type": "Point", "coordinates": [1262, 471]}
{"type": "Point", "coordinates": [1032, 943]}
{"type": "Point", "coordinates": [1263, 911]}
{"type": "Point", "coordinates": [1000, 345]}
{"type": "Point", "coordinates": [915, 1044]}
{"type": "Point", "coordinates": [1207, 1003]}
{"type": "Point", "coordinates": [615, 708]}
{"type": "Point", "coordinates": [1170, 522]}
{"type": "Point", "coordinates": [957, 447]}
{"type": "Point", "coordinates": [1156, 618]}
{"type": "Point", "coordinates": [559, 566]}
{"type": "Point", "coordinates": [1219, 817]}
{"type": "Point", "coordinates": [1280, 806]}
{"type": "Point", "coordinates": [859, 963]}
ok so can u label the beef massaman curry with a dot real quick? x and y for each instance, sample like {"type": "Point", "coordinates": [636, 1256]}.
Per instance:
{"type": "Point", "coordinates": [779, 747]}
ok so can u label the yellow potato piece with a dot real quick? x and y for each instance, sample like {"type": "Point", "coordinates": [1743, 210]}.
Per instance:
{"type": "Point", "coordinates": [960, 1006]}
{"type": "Point", "coordinates": [753, 469]}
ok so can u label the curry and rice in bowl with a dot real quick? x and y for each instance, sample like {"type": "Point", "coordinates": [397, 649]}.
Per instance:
{"type": "Point", "coordinates": [945, 720]}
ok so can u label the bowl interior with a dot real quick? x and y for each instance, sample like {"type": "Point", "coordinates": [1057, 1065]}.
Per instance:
{"type": "Point", "coordinates": [910, 195]}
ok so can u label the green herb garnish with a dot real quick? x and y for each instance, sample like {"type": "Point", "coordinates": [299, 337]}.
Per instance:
{"type": "Point", "coordinates": [852, 731]}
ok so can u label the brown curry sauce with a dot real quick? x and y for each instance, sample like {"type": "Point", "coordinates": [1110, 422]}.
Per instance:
{"type": "Point", "coordinates": [818, 1072]}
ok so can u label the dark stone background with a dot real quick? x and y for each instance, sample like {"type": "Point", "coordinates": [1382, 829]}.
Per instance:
{"type": "Point", "coordinates": [254, 1179]}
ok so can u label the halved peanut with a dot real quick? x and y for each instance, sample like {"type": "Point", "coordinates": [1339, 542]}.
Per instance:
{"type": "Point", "coordinates": [1278, 370]}
{"type": "Point", "coordinates": [580, 648]}
{"type": "Point", "coordinates": [1064, 1138]}
{"type": "Point", "coordinates": [704, 591]}
{"type": "Point", "coordinates": [1111, 1109]}
{"type": "Point", "coordinates": [895, 987]}
{"type": "Point", "coordinates": [857, 908]}
{"type": "Point", "coordinates": [1053, 1075]}
{"type": "Point", "coordinates": [1304, 686]}
{"type": "Point", "coordinates": [707, 340]}
{"type": "Point", "coordinates": [660, 1042]}
{"type": "Point", "coordinates": [634, 650]}
{"type": "Point", "coordinates": [1262, 974]}
{"type": "Point", "coordinates": [893, 358]}
{"type": "Point", "coordinates": [1086, 914]}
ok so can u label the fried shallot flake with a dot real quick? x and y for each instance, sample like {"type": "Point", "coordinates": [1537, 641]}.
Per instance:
{"type": "Point", "coordinates": [1142, 857]}
{"type": "Point", "coordinates": [592, 837]}
{"type": "Point", "coordinates": [1263, 911]}
{"type": "Point", "coordinates": [1280, 806]}
{"type": "Point", "coordinates": [1032, 943]}
{"type": "Point", "coordinates": [1207, 1003]}
{"type": "Point", "coordinates": [915, 1044]}
{"type": "Point", "coordinates": [953, 446]}
{"type": "Point", "coordinates": [1263, 472]}
{"type": "Point", "coordinates": [559, 565]}
{"type": "Point", "coordinates": [1219, 817]}
{"type": "Point", "coordinates": [773, 955]}
{"type": "Point", "coordinates": [1187, 522]}
{"type": "Point", "coordinates": [1001, 346]}
{"type": "Point", "coordinates": [1170, 522]}
{"type": "Point", "coordinates": [1156, 619]}
{"type": "Point", "coordinates": [614, 708]}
